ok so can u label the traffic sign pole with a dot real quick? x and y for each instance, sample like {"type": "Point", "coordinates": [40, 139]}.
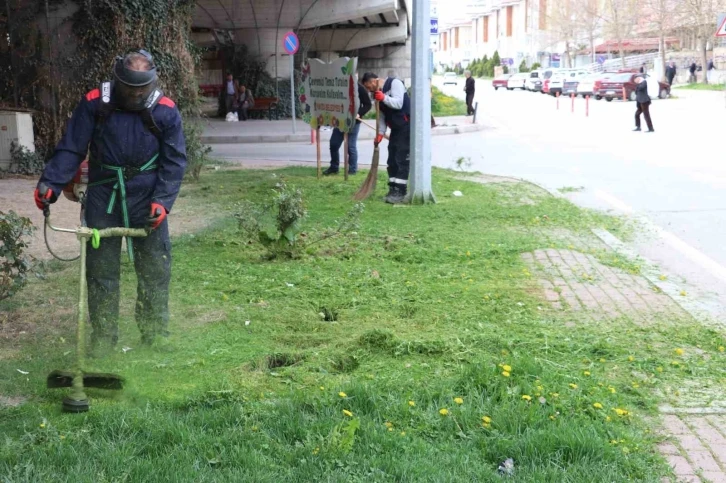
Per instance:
{"type": "Point", "coordinates": [291, 44]}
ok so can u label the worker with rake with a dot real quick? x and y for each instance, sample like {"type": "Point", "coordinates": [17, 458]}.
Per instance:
{"type": "Point", "coordinates": [395, 106]}
{"type": "Point", "coordinates": [137, 159]}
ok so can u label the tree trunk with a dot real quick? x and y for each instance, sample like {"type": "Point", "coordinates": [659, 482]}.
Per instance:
{"type": "Point", "coordinates": [592, 48]}
{"type": "Point", "coordinates": [704, 63]}
{"type": "Point", "coordinates": [662, 55]}
{"type": "Point", "coordinates": [622, 52]}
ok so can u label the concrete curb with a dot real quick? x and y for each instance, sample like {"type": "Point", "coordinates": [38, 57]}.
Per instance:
{"type": "Point", "coordinates": [442, 130]}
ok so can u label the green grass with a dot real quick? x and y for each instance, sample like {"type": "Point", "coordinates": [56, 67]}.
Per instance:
{"type": "Point", "coordinates": [701, 87]}
{"type": "Point", "coordinates": [441, 106]}
{"type": "Point", "coordinates": [429, 304]}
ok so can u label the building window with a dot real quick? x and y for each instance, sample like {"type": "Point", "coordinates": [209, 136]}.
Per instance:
{"type": "Point", "coordinates": [486, 29]}
{"type": "Point", "coordinates": [510, 14]}
{"type": "Point", "coordinates": [543, 14]}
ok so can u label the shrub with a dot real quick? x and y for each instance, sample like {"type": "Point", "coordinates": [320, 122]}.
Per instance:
{"type": "Point", "coordinates": [14, 263]}
{"type": "Point", "coordinates": [536, 66]}
{"type": "Point", "coordinates": [523, 66]}
{"type": "Point", "coordinates": [197, 153]}
{"type": "Point", "coordinates": [24, 161]}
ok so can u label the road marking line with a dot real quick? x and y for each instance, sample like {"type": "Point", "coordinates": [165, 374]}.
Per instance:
{"type": "Point", "coordinates": [693, 254]}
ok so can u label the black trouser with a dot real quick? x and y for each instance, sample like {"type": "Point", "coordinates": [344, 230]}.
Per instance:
{"type": "Point", "coordinates": [399, 149]}
{"type": "Point", "coordinates": [229, 101]}
{"type": "Point", "coordinates": [242, 111]}
{"type": "Point", "coordinates": [152, 263]}
{"type": "Point", "coordinates": [469, 102]}
{"type": "Point", "coordinates": [644, 108]}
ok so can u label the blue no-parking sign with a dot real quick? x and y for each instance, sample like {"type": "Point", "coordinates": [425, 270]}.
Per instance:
{"type": "Point", "coordinates": [290, 43]}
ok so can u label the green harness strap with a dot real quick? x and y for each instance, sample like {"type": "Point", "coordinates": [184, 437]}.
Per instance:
{"type": "Point", "coordinates": [120, 186]}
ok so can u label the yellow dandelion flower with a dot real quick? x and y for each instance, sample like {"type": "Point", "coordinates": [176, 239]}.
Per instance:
{"type": "Point", "coordinates": [552, 418]}
{"type": "Point", "coordinates": [388, 424]}
{"type": "Point", "coordinates": [62, 437]}
{"type": "Point", "coordinates": [587, 373]}
{"type": "Point", "coordinates": [468, 253]}
{"type": "Point", "coordinates": [348, 413]}
{"type": "Point", "coordinates": [612, 390]}
{"type": "Point", "coordinates": [597, 405]}
{"type": "Point", "coordinates": [636, 385]}
{"type": "Point", "coordinates": [573, 386]}
{"type": "Point", "coordinates": [42, 425]}
{"type": "Point", "coordinates": [662, 277]}
{"type": "Point", "coordinates": [602, 360]}
{"type": "Point", "coordinates": [683, 293]}
{"type": "Point", "coordinates": [322, 388]}
{"type": "Point", "coordinates": [342, 394]}
{"type": "Point", "coordinates": [255, 428]}
{"type": "Point", "coordinates": [507, 367]}
{"type": "Point", "coordinates": [678, 351]}
{"type": "Point", "coordinates": [526, 397]}
{"type": "Point", "coordinates": [631, 358]}
{"type": "Point", "coordinates": [458, 400]}
{"type": "Point", "coordinates": [608, 419]}
{"type": "Point", "coordinates": [659, 369]}
{"type": "Point", "coordinates": [316, 451]}
{"type": "Point", "coordinates": [721, 348]}
{"type": "Point", "coordinates": [506, 374]}
{"type": "Point", "coordinates": [412, 403]}
{"type": "Point", "coordinates": [390, 429]}
{"type": "Point", "coordinates": [443, 411]}
{"type": "Point", "coordinates": [540, 388]}
{"type": "Point", "coordinates": [620, 412]}
{"type": "Point", "coordinates": [486, 425]}
{"type": "Point", "coordinates": [555, 394]}
{"type": "Point", "coordinates": [675, 363]}
{"type": "Point", "coordinates": [403, 433]}
{"type": "Point", "coordinates": [486, 419]}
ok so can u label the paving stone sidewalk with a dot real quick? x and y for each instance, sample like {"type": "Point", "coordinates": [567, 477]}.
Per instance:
{"type": "Point", "coordinates": [575, 281]}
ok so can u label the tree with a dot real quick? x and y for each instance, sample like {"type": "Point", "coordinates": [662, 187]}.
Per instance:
{"type": "Point", "coordinates": [663, 17]}
{"type": "Point", "coordinates": [564, 26]}
{"type": "Point", "coordinates": [619, 19]}
{"type": "Point", "coordinates": [590, 19]}
{"type": "Point", "coordinates": [523, 66]}
{"type": "Point", "coordinates": [699, 15]}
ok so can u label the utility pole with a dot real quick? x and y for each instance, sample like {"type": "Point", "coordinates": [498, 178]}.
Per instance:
{"type": "Point", "coordinates": [420, 176]}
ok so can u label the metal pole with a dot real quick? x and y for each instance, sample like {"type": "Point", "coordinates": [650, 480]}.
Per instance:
{"type": "Point", "coordinates": [292, 90]}
{"type": "Point", "coordinates": [420, 176]}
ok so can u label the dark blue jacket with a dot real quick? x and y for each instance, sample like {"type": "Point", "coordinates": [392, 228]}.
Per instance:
{"type": "Point", "coordinates": [122, 140]}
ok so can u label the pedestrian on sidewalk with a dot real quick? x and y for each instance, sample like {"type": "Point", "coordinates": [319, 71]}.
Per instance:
{"type": "Point", "coordinates": [692, 71]}
{"type": "Point", "coordinates": [643, 103]}
{"type": "Point", "coordinates": [230, 89]}
{"type": "Point", "coordinates": [670, 73]}
{"type": "Point", "coordinates": [710, 70]}
{"type": "Point", "coordinates": [337, 138]}
{"type": "Point", "coordinates": [244, 102]}
{"type": "Point", "coordinates": [469, 88]}
{"type": "Point", "coordinates": [395, 108]}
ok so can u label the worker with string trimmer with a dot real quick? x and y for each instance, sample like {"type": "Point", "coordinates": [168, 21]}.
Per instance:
{"type": "Point", "coordinates": [395, 106]}
{"type": "Point", "coordinates": [134, 136]}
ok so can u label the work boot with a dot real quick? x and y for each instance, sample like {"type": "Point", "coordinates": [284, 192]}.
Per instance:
{"type": "Point", "coordinates": [397, 195]}
{"type": "Point", "coordinates": [330, 171]}
{"type": "Point", "coordinates": [390, 191]}
{"type": "Point", "coordinates": [636, 129]}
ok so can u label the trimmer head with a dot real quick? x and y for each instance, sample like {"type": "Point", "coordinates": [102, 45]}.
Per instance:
{"type": "Point", "coordinates": [57, 379]}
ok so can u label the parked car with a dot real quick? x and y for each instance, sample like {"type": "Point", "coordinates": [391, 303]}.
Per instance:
{"type": "Point", "coordinates": [517, 81]}
{"type": "Point", "coordinates": [590, 83]}
{"type": "Point", "coordinates": [569, 87]}
{"type": "Point", "coordinates": [613, 86]}
{"type": "Point", "coordinates": [534, 81]}
{"type": "Point", "coordinates": [546, 77]}
{"type": "Point", "coordinates": [450, 78]}
{"type": "Point", "coordinates": [558, 79]}
{"type": "Point", "coordinates": [501, 81]}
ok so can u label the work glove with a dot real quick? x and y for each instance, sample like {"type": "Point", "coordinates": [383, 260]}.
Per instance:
{"type": "Point", "coordinates": [379, 138]}
{"type": "Point", "coordinates": [157, 216]}
{"type": "Point", "coordinates": [379, 95]}
{"type": "Point", "coordinates": [44, 196]}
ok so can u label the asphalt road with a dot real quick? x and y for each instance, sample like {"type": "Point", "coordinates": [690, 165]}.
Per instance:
{"type": "Point", "coordinates": [672, 180]}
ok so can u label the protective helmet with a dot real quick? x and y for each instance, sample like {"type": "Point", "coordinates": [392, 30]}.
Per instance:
{"type": "Point", "coordinates": [134, 87]}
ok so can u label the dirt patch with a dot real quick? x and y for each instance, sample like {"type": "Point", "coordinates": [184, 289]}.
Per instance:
{"type": "Point", "coordinates": [16, 194]}
{"type": "Point", "coordinates": [11, 401]}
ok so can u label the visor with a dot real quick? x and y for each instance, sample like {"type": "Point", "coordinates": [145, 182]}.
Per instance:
{"type": "Point", "coordinates": [134, 87]}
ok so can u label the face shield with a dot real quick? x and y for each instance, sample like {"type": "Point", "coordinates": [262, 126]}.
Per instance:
{"type": "Point", "coordinates": [133, 87]}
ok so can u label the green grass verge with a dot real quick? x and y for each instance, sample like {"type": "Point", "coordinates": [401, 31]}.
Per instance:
{"type": "Point", "coordinates": [441, 105]}
{"type": "Point", "coordinates": [430, 304]}
{"type": "Point", "coordinates": [701, 87]}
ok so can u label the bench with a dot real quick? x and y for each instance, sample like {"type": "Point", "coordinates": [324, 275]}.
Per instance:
{"type": "Point", "coordinates": [210, 90]}
{"type": "Point", "coordinates": [268, 104]}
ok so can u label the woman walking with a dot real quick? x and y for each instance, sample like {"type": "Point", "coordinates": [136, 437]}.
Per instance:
{"type": "Point", "coordinates": [643, 102]}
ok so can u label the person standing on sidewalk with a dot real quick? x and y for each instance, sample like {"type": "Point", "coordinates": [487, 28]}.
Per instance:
{"type": "Point", "coordinates": [230, 89]}
{"type": "Point", "coordinates": [469, 88]}
{"type": "Point", "coordinates": [337, 138]}
{"type": "Point", "coordinates": [395, 108]}
{"type": "Point", "coordinates": [670, 73]}
{"type": "Point", "coordinates": [643, 102]}
{"type": "Point", "coordinates": [692, 70]}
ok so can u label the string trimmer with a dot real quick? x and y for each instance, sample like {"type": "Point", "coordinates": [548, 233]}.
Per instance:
{"type": "Point", "coordinates": [77, 379]}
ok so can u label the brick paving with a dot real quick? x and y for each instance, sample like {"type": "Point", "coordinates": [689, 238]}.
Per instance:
{"type": "Point", "coordinates": [694, 442]}
{"type": "Point", "coordinates": [576, 281]}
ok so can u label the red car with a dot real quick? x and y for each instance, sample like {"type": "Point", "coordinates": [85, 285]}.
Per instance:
{"type": "Point", "coordinates": [615, 85]}
{"type": "Point", "coordinates": [501, 81]}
